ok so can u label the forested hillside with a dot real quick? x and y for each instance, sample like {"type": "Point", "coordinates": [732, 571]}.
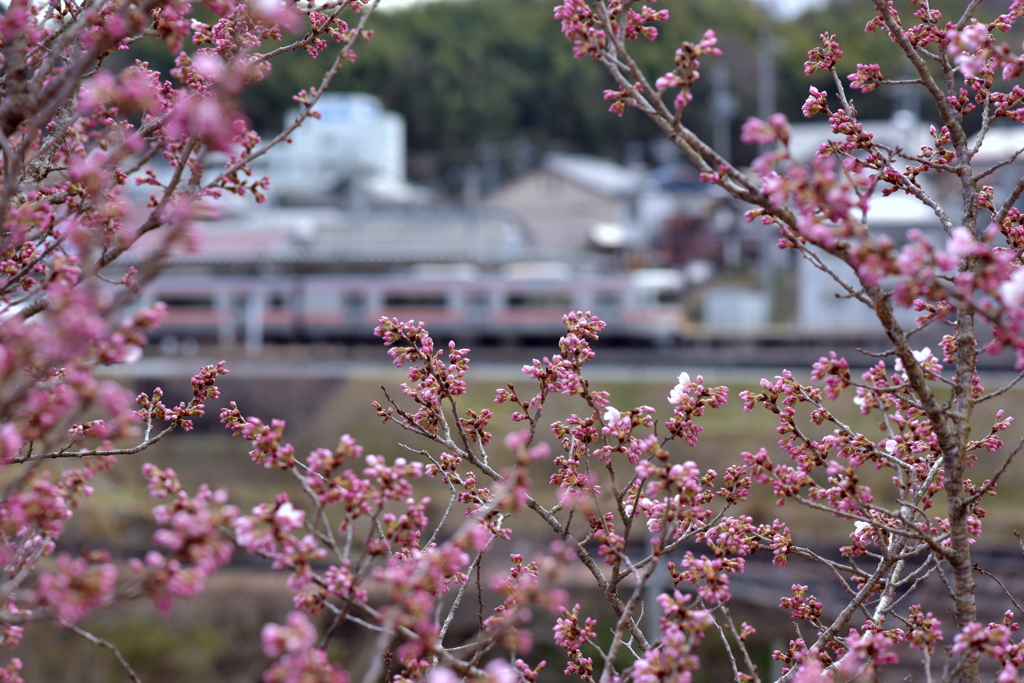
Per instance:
{"type": "Point", "coordinates": [467, 72]}
{"type": "Point", "coordinates": [490, 71]}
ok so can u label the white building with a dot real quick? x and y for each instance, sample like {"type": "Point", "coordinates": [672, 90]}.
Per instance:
{"type": "Point", "coordinates": [356, 146]}
{"type": "Point", "coordinates": [902, 131]}
{"type": "Point", "coordinates": [821, 302]}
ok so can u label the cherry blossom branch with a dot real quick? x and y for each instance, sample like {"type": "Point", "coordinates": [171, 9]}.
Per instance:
{"type": "Point", "coordinates": [832, 631]}
{"type": "Point", "coordinates": [308, 39]}
{"type": "Point", "coordinates": [1015, 194]}
{"type": "Point", "coordinates": [474, 566]}
{"type": "Point", "coordinates": [991, 484]}
{"type": "Point", "coordinates": [95, 452]}
{"type": "Point", "coordinates": [625, 621]}
{"type": "Point", "coordinates": [451, 498]}
{"type": "Point", "coordinates": [307, 108]}
{"type": "Point", "coordinates": [938, 97]}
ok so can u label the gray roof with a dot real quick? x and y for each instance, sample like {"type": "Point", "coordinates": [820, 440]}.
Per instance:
{"type": "Point", "coordinates": [324, 236]}
{"type": "Point", "coordinates": [601, 176]}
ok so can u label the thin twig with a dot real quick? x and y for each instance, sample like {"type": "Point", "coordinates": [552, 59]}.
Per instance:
{"type": "Point", "coordinates": [995, 477]}
{"type": "Point", "coordinates": [992, 576]}
{"type": "Point", "coordinates": [103, 642]}
{"type": "Point", "coordinates": [1000, 392]}
{"type": "Point", "coordinates": [475, 566]}
{"type": "Point", "coordinates": [84, 454]}
{"type": "Point", "coordinates": [736, 676]}
{"type": "Point", "coordinates": [448, 480]}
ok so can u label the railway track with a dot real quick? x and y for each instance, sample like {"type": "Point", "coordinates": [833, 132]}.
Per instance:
{"type": "Point", "coordinates": [767, 354]}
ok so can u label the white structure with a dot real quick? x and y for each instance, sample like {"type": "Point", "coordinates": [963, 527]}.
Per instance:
{"type": "Point", "coordinates": [1000, 142]}
{"type": "Point", "coordinates": [822, 304]}
{"type": "Point", "coordinates": [736, 309]}
{"type": "Point", "coordinates": [356, 143]}
{"type": "Point", "coordinates": [903, 131]}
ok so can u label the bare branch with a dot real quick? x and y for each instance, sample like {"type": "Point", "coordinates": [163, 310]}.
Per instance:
{"type": "Point", "coordinates": [103, 642]}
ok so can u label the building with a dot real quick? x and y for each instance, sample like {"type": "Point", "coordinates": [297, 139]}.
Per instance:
{"type": "Point", "coordinates": [354, 154]}
{"type": "Point", "coordinates": [573, 202]}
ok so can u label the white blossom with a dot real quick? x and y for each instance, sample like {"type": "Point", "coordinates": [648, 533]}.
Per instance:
{"type": "Point", "coordinates": [675, 397]}
{"type": "Point", "coordinates": [1012, 291]}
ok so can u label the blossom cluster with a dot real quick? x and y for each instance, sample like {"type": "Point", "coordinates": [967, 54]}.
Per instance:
{"type": "Point", "coordinates": [355, 537]}
{"type": "Point", "coordinates": [75, 133]}
{"type": "Point", "coordinates": [967, 281]}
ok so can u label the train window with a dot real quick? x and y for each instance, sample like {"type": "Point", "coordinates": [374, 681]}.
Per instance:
{"type": "Point", "coordinates": [668, 296]}
{"type": "Point", "coordinates": [607, 299]}
{"type": "Point", "coordinates": [478, 300]}
{"type": "Point", "coordinates": [186, 301]}
{"type": "Point", "coordinates": [540, 300]}
{"type": "Point", "coordinates": [410, 300]}
{"type": "Point", "coordinates": [353, 300]}
{"type": "Point", "coordinates": [318, 301]}
{"type": "Point", "coordinates": [477, 305]}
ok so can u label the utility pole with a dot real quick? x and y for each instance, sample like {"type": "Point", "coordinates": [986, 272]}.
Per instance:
{"type": "Point", "coordinates": [768, 255]}
{"type": "Point", "coordinates": [723, 109]}
{"type": "Point", "coordinates": [766, 72]}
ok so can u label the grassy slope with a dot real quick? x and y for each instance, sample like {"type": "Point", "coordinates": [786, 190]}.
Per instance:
{"type": "Point", "coordinates": [317, 412]}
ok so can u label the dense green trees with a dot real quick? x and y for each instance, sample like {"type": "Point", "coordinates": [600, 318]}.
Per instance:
{"type": "Point", "coordinates": [478, 71]}
{"type": "Point", "coordinates": [489, 71]}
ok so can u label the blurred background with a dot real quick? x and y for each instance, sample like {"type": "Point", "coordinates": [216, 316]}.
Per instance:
{"type": "Point", "coordinates": [467, 173]}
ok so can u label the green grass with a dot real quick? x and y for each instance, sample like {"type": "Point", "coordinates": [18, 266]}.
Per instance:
{"type": "Point", "coordinates": [318, 413]}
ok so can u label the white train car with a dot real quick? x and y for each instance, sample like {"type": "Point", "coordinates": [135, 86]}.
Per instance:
{"type": "Point", "coordinates": [525, 302]}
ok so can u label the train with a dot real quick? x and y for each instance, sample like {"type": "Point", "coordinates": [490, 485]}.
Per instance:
{"type": "Point", "coordinates": [522, 304]}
